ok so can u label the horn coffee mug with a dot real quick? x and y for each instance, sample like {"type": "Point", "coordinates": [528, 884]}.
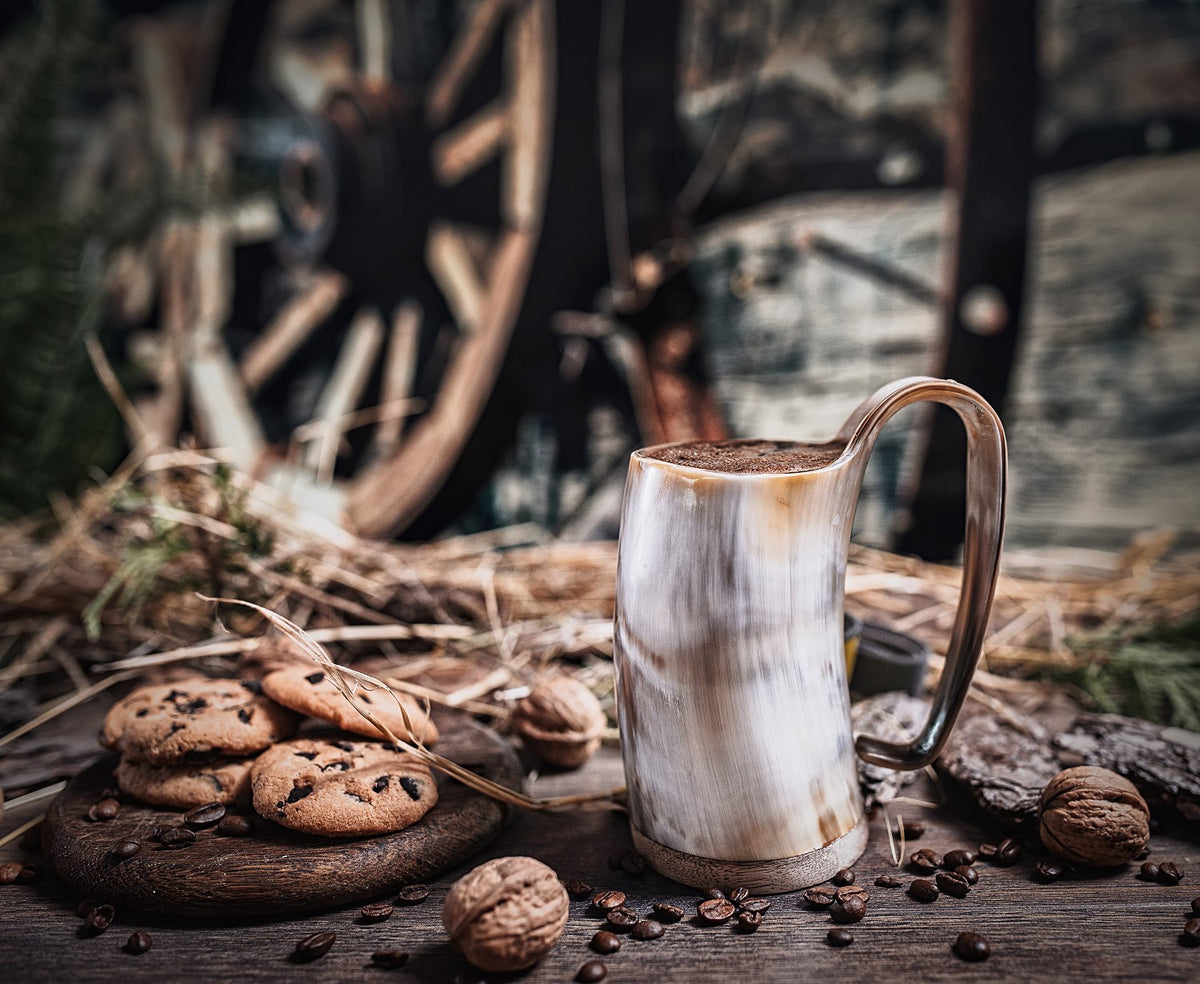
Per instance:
{"type": "Point", "coordinates": [729, 653]}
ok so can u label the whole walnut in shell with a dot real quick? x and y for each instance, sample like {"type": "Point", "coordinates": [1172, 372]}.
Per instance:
{"type": "Point", "coordinates": [506, 914]}
{"type": "Point", "coordinates": [1093, 817]}
{"type": "Point", "coordinates": [561, 720]}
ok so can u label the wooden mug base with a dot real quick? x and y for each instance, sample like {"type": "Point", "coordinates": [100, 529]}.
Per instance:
{"type": "Point", "coordinates": [760, 877]}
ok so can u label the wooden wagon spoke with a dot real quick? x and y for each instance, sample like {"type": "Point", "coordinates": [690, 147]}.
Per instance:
{"type": "Point", "coordinates": [399, 370]}
{"type": "Point", "coordinates": [293, 325]}
{"type": "Point", "coordinates": [458, 152]}
{"type": "Point", "coordinates": [460, 63]}
{"type": "Point", "coordinates": [254, 219]}
{"type": "Point", "coordinates": [373, 21]}
{"type": "Point", "coordinates": [531, 81]}
{"type": "Point", "coordinates": [450, 256]}
{"type": "Point", "coordinates": [161, 74]}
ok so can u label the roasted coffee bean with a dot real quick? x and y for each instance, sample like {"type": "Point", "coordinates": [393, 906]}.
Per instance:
{"type": "Point", "coordinates": [609, 900]}
{"type": "Point", "coordinates": [923, 890]}
{"type": "Point", "coordinates": [313, 946]}
{"type": "Point", "coordinates": [208, 815]}
{"type": "Point", "coordinates": [968, 872]}
{"type": "Point", "coordinates": [389, 959]}
{"type": "Point", "coordinates": [843, 877]}
{"type": "Point", "coordinates": [951, 884]}
{"type": "Point", "coordinates": [849, 910]}
{"type": "Point", "coordinates": [713, 893]}
{"type": "Point", "coordinates": [1048, 871]}
{"type": "Point", "coordinates": [926, 860]}
{"type": "Point", "coordinates": [755, 905]}
{"type": "Point", "coordinates": [30, 872]}
{"type": "Point", "coordinates": [1191, 933]}
{"type": "Point", "coordinates": [987, 851]}
{"type": "Point", "coordinates": [106, 809]}
{"type": "Point", "coordinates": [177, 837]}
{"type": "Point", "coordinates": [99, 919]}
{"type": "Point", "coordinates": [591, 972]}
{"type": "Point", "coordinates": [622, 919]}
{"type": "Point", "coordinates": [972, 947]}
{"type": "Point", "coordinates": [412, 894]}
{"type": "Point", "coordinates": [714, 911]}
{"type": "Point", "coordinates": [667, 913]}
{"type": "Point", "coordinates": [138, 942]}
{"type": "Point", "coordinates": [110, 793]}
{"type": "Point", "coordinates": [1148, 872]}
{"type": "Point", "coordinates": [376, 911]}
{"type": "Point", "coordinates": [1008, 852]}
{"type": "Point", "coordinates": [1196, 906]}
{"type": "Point", "coordinates": [739, 895]}
{"type": "Point", "coordinates": [957, 858]}
{"type": "Point", "coordinates": [633, 864]}
{"type": "Point", "coordinates": [914, 829]}
{"type": "Point", "coordinates": [888, 881]}
{"type": "Point", "coordinates": [232, 825]}
{"type": "Point", "coordinates": [577, 889]}
{"type": "Point", "coordinates": [1169, 873]}
{"type": "Point", "coordinates": [158, 831]}
{"type": "Point", "coordinates": [84, 907]}
{"type": "Point", "coordinates": [748, 922]}
{"type": "Point", "coordinates": [605, 942]}
{"type": "Point", "coordinates": [123, 849]}
{"type": "Point", "coordinates": [10, 871]}
{"type": "Point", "coordinates": [852, 892]}
{"type": "Point", "coordinates": [839, 936]}
{"type": "Point", "coordinates": [647, 929]}
{"type": "Point", "coordinates": [820, 897]}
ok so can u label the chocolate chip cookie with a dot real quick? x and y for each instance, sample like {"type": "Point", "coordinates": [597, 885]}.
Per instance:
{"type": "Point", "coordinates": [185, 786]}
{"type": "Point", "coordinates": [195, 721]}
{"type": "Point", "coordinates": [307, 689]}
{"type": "Point", "coordinates": [341, 788]}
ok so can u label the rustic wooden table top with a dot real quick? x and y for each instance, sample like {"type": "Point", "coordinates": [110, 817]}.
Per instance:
{"type": "Point", "coordinates": [1109, 927]}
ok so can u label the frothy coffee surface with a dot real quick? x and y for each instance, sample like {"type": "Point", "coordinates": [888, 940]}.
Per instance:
{"type": "Point", "coordinates": [751, 457]}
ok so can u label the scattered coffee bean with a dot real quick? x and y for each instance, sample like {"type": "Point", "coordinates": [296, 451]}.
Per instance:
{"type": "Point", "coordinates": [914, 829]}
{"type": "Point", "coordinates": [30, 872]}
{"type": "Point", "coordinates": [622, 919]}
{"type": "Point", "coordinates": [412, 895]}
{"type": "Point", "coordinates": [714, 911]}
{"type": "Point", "coordinates": [123, 850]}
{"type": "Point", "coordinates": [609, 900]}
{"type": "Point", "coordinates": [84, 907]}
{"type": "Point", "coordinates": [313, 946]}
{"type": "Point", "coordinates": [1169, 873]}
{"type": "Point", "coordinates": [177, 837]}
{"type": "Point", "coordinates": [1191, 933]}
{"type": "Point", "coordinates": [713, 893]}
{"type": "Point", "coordinates": [1196, 906]}
{"type": "Point", "coordinates": [923, 890]}
{"type": "Point", "coordinates": [1048, 871]}
{"type": "Point", "coordinates": [888, 881]}
{"type": "Point", "coordinates": [232, 825]}
{"type": "Point", "coordinates": [106, 809]}
{"type": "Point", "coordinates": [949, 883]}
{"type": "Point", "coordinates": [157, 832]}
{"type": "Point", "coordinates": [987, 851]}
{"type": "Point", "coordinates": [1008, 852]}
{"type": "Point", "coordinates": [376, 911]}
{"type": "Point", "coordinates": [739, 895]}
{"type": "Point", "coordinates": [605, 942]}
{"type": "Point", "coordinates": [748, 922]}
{"type": "Point", "coordinates": [647, 929]}
{"type": "Point", "coordinates": [957, 858]}
{"type": "Point", "coordinates": [633, 864]}
{"type": "Point", "coordinates": [820, 897]}
{"type": "Point", "coordinates": [99, 919]}
{"type": "Point", "coordinates": [208, 815]}
{"type": "Point", "coordinates": [926, 860]}
{"type": "Point", "coordinates": [843, 877]}
{"type": "Point", "coordinates": [849, 910]}
{"type": "Point", "coordinates": [10, 871]}
{"type": "Point", "coordinates": [110, 793]}
{"type": "Point", "coordinates": [1148, 872]}
{"type": "Point", "coordinates": [972, 947]}
{"type": "Point", "coordinates": [839, 936]}
{"type": "Point", "coordinates": [1145, 854]}
{"type": "Point", "coordinates": [389, 959]}
{"type": "Point", "coordinates": [755, 905]}
{"type": "Point", "coordinates": [138, 942]}
{"type": "Point", "coordinates": [592, 971]}
{"type": "Point", "coordinates": [578, 889]}
{"type": "Point", "coordinates": [667, 913]}
{"type": "Point", "coordinates": [968, 872]}
{"type": "Point", "coordinates": [852, 892]}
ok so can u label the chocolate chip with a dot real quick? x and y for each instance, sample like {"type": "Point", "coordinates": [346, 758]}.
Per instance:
{"type": "Point", "coordinates": [409, 785]}
{"type": "Point", "coordinates": [254, 686]}
{"type": "Point", "coordinates": [298, 793]}
{"type": "Point", "coordinates": [381, 783]}
{"type": "Point", "coordinates": [245, 715]}
{"type": "Point", "coordinates": [315, 678]}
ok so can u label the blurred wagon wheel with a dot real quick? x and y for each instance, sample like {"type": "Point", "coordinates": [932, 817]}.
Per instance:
{"type": "Point", "coordinates": [367, 127]}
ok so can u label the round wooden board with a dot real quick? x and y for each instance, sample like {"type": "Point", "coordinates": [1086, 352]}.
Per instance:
{"type": "Point", "coordinates": [275, 871]}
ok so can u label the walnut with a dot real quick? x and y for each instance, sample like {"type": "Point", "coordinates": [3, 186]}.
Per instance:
{"type": "Point", "coordinates": [506, 914]}
{"type": "Point", "coordinates": [1093, 817]}
{"type": "Point", "coordinates": [561, 720]}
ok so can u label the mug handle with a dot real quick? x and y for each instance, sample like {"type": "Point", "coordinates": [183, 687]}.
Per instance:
{"type": "Point", "coordinates": [987, 468]}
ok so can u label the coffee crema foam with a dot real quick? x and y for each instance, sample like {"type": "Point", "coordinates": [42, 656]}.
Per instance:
{"type": "Point", "coordinates": [750, 457]}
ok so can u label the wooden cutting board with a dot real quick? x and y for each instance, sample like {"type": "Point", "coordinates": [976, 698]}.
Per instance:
{"type": "Point", "coordinates": [275, 872]}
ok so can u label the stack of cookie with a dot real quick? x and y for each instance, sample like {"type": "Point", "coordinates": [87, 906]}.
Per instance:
{"type": "Point", "coordinates": [201, 741]}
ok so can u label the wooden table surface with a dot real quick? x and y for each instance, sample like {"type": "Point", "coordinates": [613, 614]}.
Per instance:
{"type": "Point", "coordinates": [1111, 927]}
